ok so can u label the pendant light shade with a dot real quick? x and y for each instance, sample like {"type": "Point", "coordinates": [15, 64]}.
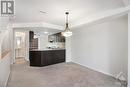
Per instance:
{"type": "Point", "coordinates": [67, 31]}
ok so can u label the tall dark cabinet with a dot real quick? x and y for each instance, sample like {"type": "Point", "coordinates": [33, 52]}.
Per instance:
{"type": "Point", "coordinates": [33, 42]}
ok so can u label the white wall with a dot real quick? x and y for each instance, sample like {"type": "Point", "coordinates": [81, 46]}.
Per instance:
{"type": "Point", "coordinates": [4, 70]}
{"type": "Point", "coordinates": [128, 50]}
{"type": "Point", "coordinates": [3, 22]}
{"type": "Point", "coordinates": [5, 44]}
{"type": "Point", "coordinates": [27, 45]}
{"type": "Point", "coordinates": [5, 61]}
{"type": "Point", "coordinates": [103, 47]}
{"type": "Point", "coordinates": [68, 49]}
{"type": "Point", "coordinates": [42, 41]}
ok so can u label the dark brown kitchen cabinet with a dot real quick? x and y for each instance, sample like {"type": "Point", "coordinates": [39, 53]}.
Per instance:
{"type": "Point", "coordinates": [33, 42]}
{"type": "Point", "coordinates": [56, 38]}
{"type": "Point", "coordinates": [47, 57]}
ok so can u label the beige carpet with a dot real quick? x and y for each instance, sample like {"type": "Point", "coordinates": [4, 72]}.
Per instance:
{"type": "Point", "coordinates": [59, 75]}
{"type": "Point", "coordinates": [20, 60]}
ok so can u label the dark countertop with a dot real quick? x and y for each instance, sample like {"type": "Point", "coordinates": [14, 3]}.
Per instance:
{"type": "Point", "coordinates": [46, 49]}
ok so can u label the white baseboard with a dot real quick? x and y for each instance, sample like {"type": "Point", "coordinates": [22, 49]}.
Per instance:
{"type": "Point", "coordinates": [7, 79]}
{"type": "Point", "coordinates": [94, 69]}
{"type": "Point", "coordinates": [68, 60]}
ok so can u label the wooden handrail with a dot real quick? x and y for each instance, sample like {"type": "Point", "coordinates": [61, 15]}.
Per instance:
{"type": "Point", "coordinates": [5, 53]}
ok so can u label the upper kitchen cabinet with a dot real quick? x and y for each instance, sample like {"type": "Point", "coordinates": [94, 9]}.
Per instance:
{"type": "Point", "coordinates": [31, 36]}
{"type": "Point", "coordinates": [56, 38]}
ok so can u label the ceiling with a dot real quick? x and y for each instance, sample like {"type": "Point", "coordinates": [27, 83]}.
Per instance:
{"type": "Point", "coordinates": [27, 11]}
{"type": "Point", "coordinates": [39, 30]}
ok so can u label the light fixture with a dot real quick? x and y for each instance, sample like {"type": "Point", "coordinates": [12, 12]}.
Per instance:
{"type": "Point", "coordinates": [46, 32]}
{"type": "Point", "coordinates": [67, 31]}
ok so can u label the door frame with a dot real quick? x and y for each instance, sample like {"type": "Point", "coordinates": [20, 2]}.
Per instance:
{"type": "Point", "coordinates": [26, 43]}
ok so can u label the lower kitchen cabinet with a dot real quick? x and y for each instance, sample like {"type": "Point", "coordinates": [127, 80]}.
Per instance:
{"type": "Point", "coordinates": [46, 57]}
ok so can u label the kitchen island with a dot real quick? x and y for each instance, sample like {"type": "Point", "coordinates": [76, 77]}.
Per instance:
{"type": "Point", "coordinates": [46, 57]}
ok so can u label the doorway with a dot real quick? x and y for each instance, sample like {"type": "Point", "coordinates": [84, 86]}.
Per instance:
{"type": "Point", "coordinates": [20, 47]}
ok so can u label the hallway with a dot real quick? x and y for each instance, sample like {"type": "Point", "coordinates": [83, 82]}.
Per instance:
{"type": "Point", "coordinates": [20, 60]}
{"type": "Point", "coordinates": [59, 75]}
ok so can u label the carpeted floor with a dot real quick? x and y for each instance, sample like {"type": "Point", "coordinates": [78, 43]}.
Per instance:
{"type": "Point", "coordinates": [20, 60]}
{"type": "Point", "coordinates": [59, 75]}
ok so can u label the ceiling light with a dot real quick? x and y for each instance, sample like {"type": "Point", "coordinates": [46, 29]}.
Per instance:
{"type": "Point", "coordinates": [67, 31]}
{"type": "Point", "coordinates": [46, 32]}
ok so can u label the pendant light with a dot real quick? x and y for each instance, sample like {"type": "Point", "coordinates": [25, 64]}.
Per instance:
{"type": "Point", "coordinates": [67, 31]}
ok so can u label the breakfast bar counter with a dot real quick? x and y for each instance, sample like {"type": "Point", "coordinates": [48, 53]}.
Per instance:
{"type": "Point", "coordinates": [39, 57]}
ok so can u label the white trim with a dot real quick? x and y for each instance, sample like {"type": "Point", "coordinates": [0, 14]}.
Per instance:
{"type": "Point", "coordinates": [26, 42]}
{"type": "Point", "coordinates": [128, 50]}
{"type": "Point", "coordinates": [94, 69]}
{"type": "Point", "coordinates": [7, 79]}
{"type": "Point", "coordinates": [37, 24]}
{"type": "Point", "coordinates": [107, 15]}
